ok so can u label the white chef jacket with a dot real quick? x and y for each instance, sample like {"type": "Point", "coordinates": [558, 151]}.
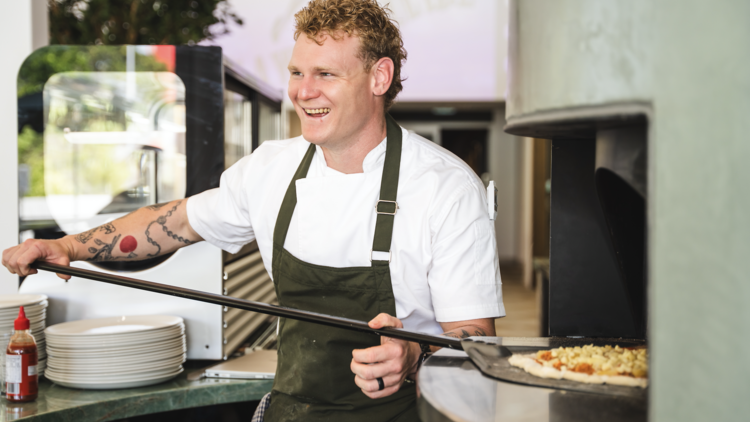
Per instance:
{"type": "Point", "coordinates": [444, 264]}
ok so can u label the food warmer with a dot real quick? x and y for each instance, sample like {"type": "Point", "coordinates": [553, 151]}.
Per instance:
{"type": "Point", "coordinates": [104, 130]}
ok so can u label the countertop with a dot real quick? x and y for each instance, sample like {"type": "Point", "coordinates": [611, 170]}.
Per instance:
{"type": "Point", "coordinates": [60, 404]}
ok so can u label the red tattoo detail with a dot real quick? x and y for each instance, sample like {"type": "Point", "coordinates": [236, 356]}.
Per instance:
{"type": "Point", "coordinates": [128, 244]}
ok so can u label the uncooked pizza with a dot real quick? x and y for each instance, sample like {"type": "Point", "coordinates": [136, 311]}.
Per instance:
{"type": "Point", "coordinates": [590, 364]}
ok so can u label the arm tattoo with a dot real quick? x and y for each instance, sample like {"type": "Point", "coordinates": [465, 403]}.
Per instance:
{"type": "Point", "coordinates": [162, 221]}
{"type": "Point", "coordinates": [465, 334]}
{"type": "Point", "coordinates": [84, 237]}
{"type": "Point", "coordinates": [156, 207]}
{"type": "Point", "coordinates": [105, 252]}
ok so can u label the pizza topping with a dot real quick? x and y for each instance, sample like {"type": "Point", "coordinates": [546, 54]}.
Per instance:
{"type": "Point", "coordinates": [592, 359]}
{"type": "Point", "coordinates": [586, 368]}
{"type": "Point", "coordinates": [544, 355]}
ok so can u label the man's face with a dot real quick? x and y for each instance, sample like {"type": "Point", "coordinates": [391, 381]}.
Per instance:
{"type": "Point", "coordinates": [331, 91]}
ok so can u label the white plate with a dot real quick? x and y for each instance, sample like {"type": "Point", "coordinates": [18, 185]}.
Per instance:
{"type": "Point", "coordinates": [178, 343]}
{"type": "Point", "coordinates": [110, 378]}
{"type": "Point", "coordinates": [114, 325]}
{"type": "Point", "coordinates": [27, 310]}
{"type": "Point", "coordinates": [151, 332]}
{"type": "Point", "coordinates": [143, 344]}
{"type": "Point", "coordinates": [10, 301]}
{"type": "Point", "coordinates": [116, 362]}
{"type": "Point", "coordinates": [147, 334]}
{"type": "Point", "coordinates": [36, 329]}
{"type": "Point", "coordinates": [105, 377]}
{"type": "Point", "coordinates": [79, 342]}
{"type": "Point", "coordinates": [134, 359]}
{"type": "Point", "coordinates": [8, 325]}
{"type": "Point", "coordinates": [152, 336]}
{"type": "Point", "coordinates": [121, 369]}
{"type": "Point", "coordinates": [174, 344]}
{"type": "Point", "coordinates": [31, 315]}
{"type": "Point", "coordinates": [116, 384]}
{"type": "Point", "coordinates": [121, 360]}
{"type": "Point", "coordinates": [64, 365]}
{"type": "Point", "coordinates": [96, 370]}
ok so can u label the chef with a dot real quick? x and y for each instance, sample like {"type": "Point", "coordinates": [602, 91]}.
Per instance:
{"type": "Point", "coordinates": [356, 218]}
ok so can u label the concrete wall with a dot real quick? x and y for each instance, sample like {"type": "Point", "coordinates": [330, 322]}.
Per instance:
{"type": "Point", "coordinates": [24, 29]}
{"type": "Point", "coordinates": [584, 52]}
{"type": "Point", "coordinates": [700, 208]}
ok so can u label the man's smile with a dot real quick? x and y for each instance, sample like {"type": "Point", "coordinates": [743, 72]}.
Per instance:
{"type": "Point", "coordinates": [317, 112]}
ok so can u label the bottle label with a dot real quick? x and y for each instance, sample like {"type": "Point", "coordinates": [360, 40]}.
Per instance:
{"type": "Point", "coordinates": [13, 370]}
{"type": "Point", "coordinates": [21, 374]}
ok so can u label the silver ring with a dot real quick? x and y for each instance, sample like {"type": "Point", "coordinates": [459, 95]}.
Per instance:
{"type": "Point", "coordinates": [381, 384]}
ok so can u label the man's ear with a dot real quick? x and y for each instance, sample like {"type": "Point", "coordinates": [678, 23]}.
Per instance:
{"type": "Point", "coordinates": [382, 76]}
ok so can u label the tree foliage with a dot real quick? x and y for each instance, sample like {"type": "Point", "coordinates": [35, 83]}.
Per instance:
{"type": "Point", "coordinates": [164, 22]}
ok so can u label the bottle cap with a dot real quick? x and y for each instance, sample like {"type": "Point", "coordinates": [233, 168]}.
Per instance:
{"type": "Point", "coordinates": [21, 323]}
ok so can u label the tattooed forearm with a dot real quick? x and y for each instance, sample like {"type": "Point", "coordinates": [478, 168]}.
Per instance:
{"type": "Point", "coordinates": [162, 221]}
{"type": "Point", "coordinates": [84, 237]}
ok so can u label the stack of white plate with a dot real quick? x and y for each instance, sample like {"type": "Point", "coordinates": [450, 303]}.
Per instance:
{"type": "Point", "coordinates": [116, 352]}
{"type": "Point", "coordinates": [35, 308]}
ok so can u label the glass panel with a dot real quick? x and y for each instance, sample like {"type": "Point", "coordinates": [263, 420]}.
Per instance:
{"type": "Point", "coordinates": [238, 140]}
{"type": "Point", "coordinates": [113, 142]}
{"type": "Point", "coordinates": [269, 124]}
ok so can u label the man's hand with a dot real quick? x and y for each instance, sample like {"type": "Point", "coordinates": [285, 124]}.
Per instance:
{"type": "Point", "coordinates": [392, 361]}
{"type": "Point", "coordinates": [18, 258]}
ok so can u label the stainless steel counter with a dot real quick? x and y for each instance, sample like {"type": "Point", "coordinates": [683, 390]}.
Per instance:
{"type": "Point", "coordinates": [451, 388]}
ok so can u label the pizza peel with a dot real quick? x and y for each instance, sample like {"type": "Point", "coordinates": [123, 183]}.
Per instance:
{"type": "Point", "coordinates": [488, 356]}
{"type": "Point", "coordinates": [248, 305]}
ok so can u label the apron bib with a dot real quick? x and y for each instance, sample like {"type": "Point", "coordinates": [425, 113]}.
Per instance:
{"type": "Point", "coordinates": [313, 379]}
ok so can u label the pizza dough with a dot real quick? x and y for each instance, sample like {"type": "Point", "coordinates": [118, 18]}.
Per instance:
{"type": "Point", "coordinates": [589, 364]}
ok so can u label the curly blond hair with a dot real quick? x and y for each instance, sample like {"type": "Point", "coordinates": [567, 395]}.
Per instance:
{"type": "Point", "coordinates": [378, 34]}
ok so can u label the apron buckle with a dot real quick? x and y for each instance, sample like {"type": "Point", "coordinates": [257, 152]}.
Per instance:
{"type": "Point", "coordinates": [377, 205]}
{"type": "Point", "coordinates": [372, 256]}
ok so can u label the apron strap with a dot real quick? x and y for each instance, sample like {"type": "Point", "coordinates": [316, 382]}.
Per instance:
{"type": "Point", "coordinates": [387, 207]}
{"type": "Point", "coordinates": [290, 199]}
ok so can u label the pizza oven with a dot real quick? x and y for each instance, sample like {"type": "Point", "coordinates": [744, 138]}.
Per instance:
{"type": "Point", "coordinates": [587, 91]}
{"type": "Point", "coordinates": [597, 274]}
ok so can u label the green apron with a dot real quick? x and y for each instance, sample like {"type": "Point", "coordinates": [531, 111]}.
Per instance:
{"type": "Point", "coordinates": [314, 381]}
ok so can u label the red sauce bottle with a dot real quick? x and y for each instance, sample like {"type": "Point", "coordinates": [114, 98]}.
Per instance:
{"type": "Point", "coordinates": [21, 379]}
